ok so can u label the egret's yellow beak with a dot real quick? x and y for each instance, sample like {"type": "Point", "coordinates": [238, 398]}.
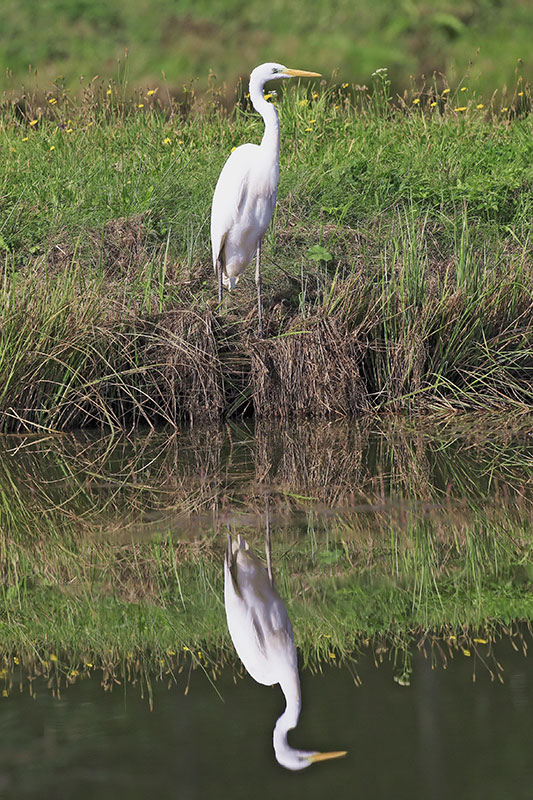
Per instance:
{"type": "Point", "coordinates": [327, 756]}
{"type": "Point", "coordinates": [302, 73]}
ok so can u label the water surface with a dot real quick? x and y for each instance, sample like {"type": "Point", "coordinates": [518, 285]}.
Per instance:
{"type": "Point", "coordinates": [443, 736]}
{"type": "Point", "coordinates": [386, 534]}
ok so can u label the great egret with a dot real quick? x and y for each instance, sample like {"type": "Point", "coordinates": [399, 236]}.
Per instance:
{"type": "Point", "coordinates": [245, 194]}
{"type": "Point", "coordinates": [262, 634]}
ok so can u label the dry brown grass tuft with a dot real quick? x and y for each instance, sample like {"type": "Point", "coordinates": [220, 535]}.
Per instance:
{"type": "Point", "coordinates": [183, 378]}
{"type": "Point", "coordinates": [314, 369]}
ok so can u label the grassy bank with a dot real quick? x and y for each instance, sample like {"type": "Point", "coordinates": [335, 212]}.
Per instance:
{"type": "Point", "coordinates": [398, 269]}
{"type": "Point", "coordinates": [111, 550]}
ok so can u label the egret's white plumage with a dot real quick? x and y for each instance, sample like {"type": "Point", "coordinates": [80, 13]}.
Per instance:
{"type": "Point", "coordinates": [245, 194]}
{"type": "Point", "coordinates": [261, 631]}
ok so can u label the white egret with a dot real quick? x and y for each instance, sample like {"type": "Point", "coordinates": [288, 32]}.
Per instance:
{"type": "Point", "coordinates": [262, 634]}
{"type": "Point", "coordinates": [245, 194]}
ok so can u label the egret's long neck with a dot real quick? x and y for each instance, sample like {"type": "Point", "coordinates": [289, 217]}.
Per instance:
{"type": "Point", "coordinates": [290, 686]}
{"type": "Point", "coordinates": [270, 139]}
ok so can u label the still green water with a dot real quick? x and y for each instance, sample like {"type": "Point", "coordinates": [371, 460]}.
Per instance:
{"type": "Point", "coordinates": [442, 737]}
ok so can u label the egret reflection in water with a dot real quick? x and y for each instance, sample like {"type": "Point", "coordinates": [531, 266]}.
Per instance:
{"type": "Point", "coordinates": [262, 634]}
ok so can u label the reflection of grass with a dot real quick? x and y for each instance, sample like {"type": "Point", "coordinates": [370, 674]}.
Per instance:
{"type": "Point", "coordinates": [392, 546]}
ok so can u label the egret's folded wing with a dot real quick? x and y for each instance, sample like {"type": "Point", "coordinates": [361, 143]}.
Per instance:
{"type": "Point", "coordinates": [259, 634]}
{"type": "Point", "coordinates": [230, 195]}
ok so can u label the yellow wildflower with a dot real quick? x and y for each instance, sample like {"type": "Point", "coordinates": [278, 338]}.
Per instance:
{"type": "Point", "coordinates": [308, 129]}
{"type": "Point", "coordinates": [167, 140]}
{"type": "Point", "coordinates": [150, 92]}
{"type": "Point", "coordinates": [69, 130]}
{"type": "Point", "coordinates": [460, 108]}
{"type": "Point", "coordinates": [16, 660]}
{"type": "Point", "coordinates": [480, 641]}
{"type": "Point", "coordinates": [520, 94]}
{"type": "Point", "coordinates": [332, 655]}
{"type": "Point", "coordinates": [504, 108]}
{"type": "Point", "coordinates": [88, 664]}
{"type": "Point", "coordinates": [108, 92]}
{"type": "Point", "coordinates": [52, 101]}
{"type": "Point", "coordinates": [345, 85]}
{"type": "Point", "coordinates": [74, 673]}
{"type": "Point", "coordinates": [312, 121]}
{"type": "Point", "coordinates": [416, 101]}
{"type": "Point", "coordinates": [445, 91]}
{"type": "Point", "coordinates": [304, 101]}
{"type": "Point", "coordinates": [53, 657]}
{"type": "Point", "coordinates": [5, 693]}
{"type": "Point", "coordinates": [480, 105]}
{"type": "Point", "coordinates": [315, 95]}
{"type": "Point", "coordinates": [13, 149]}
{"type": "Point", "coordinates": [466, 652]}
{"type": "Point", "coordinates": [53, 147]}
{"type": "Point", "coordinates": [463, 88]}
{"type": "Point", "coordinates": [171, 652]}
{"type": "Point", "coordinates": [141, 105]}
{"type": "Point", "coordinates": [34, 122]}
{"type": "Point", "coordinates": [433, 104]}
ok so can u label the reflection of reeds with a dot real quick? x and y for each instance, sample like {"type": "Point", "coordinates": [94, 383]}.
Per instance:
{"type": "Point", "coordinates": [106, 483]}
{"type": "Point", "coordinates": [378, 532]}
{"type": "Point", "coordinates": [325, 462]}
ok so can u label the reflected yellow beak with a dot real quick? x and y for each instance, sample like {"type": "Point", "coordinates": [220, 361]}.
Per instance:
{"type": "Point", "coordinates": [302, 73]}
{"type": "Point", "coordinates": [327, 756]}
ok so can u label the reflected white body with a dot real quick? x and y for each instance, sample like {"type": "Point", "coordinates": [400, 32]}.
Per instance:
{"type": "Point", "coordinates": [245, 194]}
{"type": "Point", "coordinates": [262, 634]}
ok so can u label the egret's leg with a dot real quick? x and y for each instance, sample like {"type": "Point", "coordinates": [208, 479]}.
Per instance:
{"type": "Point", "coordinates": [258, 284]}
{"type": "Point", "coordinates": [219, 276]}
{"type": "Point", "coordinates": [268, 545]}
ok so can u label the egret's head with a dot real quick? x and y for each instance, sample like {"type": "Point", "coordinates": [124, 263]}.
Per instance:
{"type": "Point", "coordinates": [300, 759]}
{"type": "Point", "coordinates": [291, 758]}
{"type": "Point", "coordinates": [272, 71]}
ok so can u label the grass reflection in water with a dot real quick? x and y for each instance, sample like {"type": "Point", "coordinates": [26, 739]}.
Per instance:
{"type": "Point", "coordinates": [385, 534]}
